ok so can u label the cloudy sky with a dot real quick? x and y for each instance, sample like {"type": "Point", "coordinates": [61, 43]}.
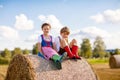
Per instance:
{"type": "Point", "coordinates": [20, 21]}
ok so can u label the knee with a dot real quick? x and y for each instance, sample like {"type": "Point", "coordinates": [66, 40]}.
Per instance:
{"type": "Point", "coordinates": [74, 41]}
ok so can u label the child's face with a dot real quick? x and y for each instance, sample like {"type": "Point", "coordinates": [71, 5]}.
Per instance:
{"type": "Point", "coordinates": [64, 35]}
{"type": "Point", "coordinates": [46, 29]}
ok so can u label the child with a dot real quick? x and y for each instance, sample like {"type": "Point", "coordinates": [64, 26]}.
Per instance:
{"type": "Point", "coordinates": [46, 44]}
{"type": "Point", "coordinates": [62, 45]}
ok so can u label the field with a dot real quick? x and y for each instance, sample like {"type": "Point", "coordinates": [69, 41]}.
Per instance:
{"type": "Point", "coordinates": [3, 70]}
{"type": "Point", "coordinates": [103, 71]}
{"type": "Point", "coordinates": [100, 66]}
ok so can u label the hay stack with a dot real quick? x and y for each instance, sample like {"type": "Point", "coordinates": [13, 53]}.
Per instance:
{"type": "Point", "coordinates": [45, 70]}
{"type": "Point", "coordinates": [114, 61]}
{"type": "Point", "coordinates": [20, 68]}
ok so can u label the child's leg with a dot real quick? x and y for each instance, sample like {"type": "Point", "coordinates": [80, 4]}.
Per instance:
{"type": "Point", "coordinates": [63, 56]}
{"type": "Point", "coordinates": [65, 45]}
{"type": "Point", "coordinates": [57, 60]}
{"type": "Point", "coordinates": [75, 51]}
{"type": "Point", "coordinates": [75, 48]}
{"type": "Point", "coordinates": [73, 42]}
{"type": "Point", "coordinates": [49, 52]}
{"type": "Point", "coordinates": [41, 55]}
{"type": "Point", "coordinates": [67, 49]}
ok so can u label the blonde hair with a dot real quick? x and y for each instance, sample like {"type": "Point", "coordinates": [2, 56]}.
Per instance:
{"type": "Point", "coordinates": [65, 30]}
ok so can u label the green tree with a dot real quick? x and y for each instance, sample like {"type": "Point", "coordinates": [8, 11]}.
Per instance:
{"type": "Point", "coordinates": [79, 51]}
{"type": "Point", "coordinates": [86, 50]}
{"type": "Point", "coordinates": [6, 53]}
{"type": "Point", "coordinates": [16, 51]}
{"type": "Point", "coordinates": [35, 49]}
{"type": "Point", "coordinates": [117, 51]}
{"type": "Point", "coordinates": [107, 54]}
{"type": "Point", "coordinates": [25, 51]}
{"type": "Point", "coordinates": [99, 48]}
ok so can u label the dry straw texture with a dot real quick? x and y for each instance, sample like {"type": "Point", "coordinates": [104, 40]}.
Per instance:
{"type": "Point", "coordinates": [45, 70]}
{"type": "Point", "coordinates": [20, 68]}
{"type": "Point", "coordinates": [114, 61]}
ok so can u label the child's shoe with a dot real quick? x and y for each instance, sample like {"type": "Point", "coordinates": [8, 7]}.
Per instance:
{"type": "Point", "coordinates": [78, 57]}
{"type": "Point", "coordinates": [63, 56]}
{"type": "Point", "coordinates": [58, 64]}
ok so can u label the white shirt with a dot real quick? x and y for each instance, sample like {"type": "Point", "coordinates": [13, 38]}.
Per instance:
{"type": "Point", "coordinates": [57, 43]}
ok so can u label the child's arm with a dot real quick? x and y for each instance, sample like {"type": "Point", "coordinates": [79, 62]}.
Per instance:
{"type": "Point", "coordinates": [40, 51]}
{"type": "Point", "coordinates": [54, 47]}
{"type": "Point", "coordinates": [39, 47]}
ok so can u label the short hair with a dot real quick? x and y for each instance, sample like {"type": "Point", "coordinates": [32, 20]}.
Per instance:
{"type": "Point", "coordinates": [65, 29]}
{"type": "Point", "coordinates": [45, 24]}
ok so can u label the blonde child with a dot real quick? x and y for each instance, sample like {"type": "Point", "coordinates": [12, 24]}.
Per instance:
{"type": "Point", "coordinates": [62, 45]}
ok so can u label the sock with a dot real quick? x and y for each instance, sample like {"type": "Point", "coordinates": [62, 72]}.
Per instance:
{"type": "Point", "coordinates": [67, 49]}
{"type": "Point", "coordinates": [75, 51]}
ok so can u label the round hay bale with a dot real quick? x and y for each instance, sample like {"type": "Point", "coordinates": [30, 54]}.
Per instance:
{"type": "Point", "coordinates": [71, 69]}
{"type": "Point", "coordinates": [20, 68]}
{"type": "Point", "coordinates": [114, 61]}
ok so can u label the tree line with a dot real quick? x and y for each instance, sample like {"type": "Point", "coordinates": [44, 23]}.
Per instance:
{"type": "Point", "coordinates": [98, 50]}
{"type": "Point", "coordinates": [86, 50]}
{"type": "Point", "coordinates": [6, 55]}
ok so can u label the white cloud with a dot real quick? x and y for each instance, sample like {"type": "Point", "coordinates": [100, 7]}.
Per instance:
{"type": "Point", "coordinates": [8, 33]}
{"type": "Point", "coordinates": [1, 6]}
{"type": "Point", "coordinates": [34, 37]}
{"type": "Point", "coordinates": [112, 15]}
{"type": "Point", "coordinates": [94, 31]}
{"type": "Point", "coordinates": [42, 17]}
{"type": "Point", "coordinates": [99, 18]}
{"type": "Point", "coordinates": [91, 32]}
{"type": "Point", "coordinates": [22, 23]}
{"type": "Point", "coordinates": [52, 20]}
{"type": "Point", "coordinates": [112, 40]}
{"type": "Point", "coordinates": [107, 16]}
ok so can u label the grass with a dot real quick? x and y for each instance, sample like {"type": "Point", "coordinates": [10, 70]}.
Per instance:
{"type": "Point", "coordinates": [104, 72]}
{"type": "Point", "coordinates": [98, 61]}
{"type": "Point", "coordinates": [102, 69]}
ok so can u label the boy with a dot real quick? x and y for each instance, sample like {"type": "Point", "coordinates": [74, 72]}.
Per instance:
{"type": "Point", "coordinates": [62, 45]}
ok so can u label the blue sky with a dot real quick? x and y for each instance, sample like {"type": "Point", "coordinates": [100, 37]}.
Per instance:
{"type": "Point", "coordinates": [20, 20]}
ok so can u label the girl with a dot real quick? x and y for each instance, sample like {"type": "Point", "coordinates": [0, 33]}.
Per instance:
{"type": "Point", "coordinates": [62, 45]}
{"type": "Point", "coordinates": [46, 44]}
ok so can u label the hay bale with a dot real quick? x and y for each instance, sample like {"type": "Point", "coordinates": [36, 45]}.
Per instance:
{"type": "Point", "coordinates": [114, 61]}
{"type": "Point", "coordinates": [71, 70]}
{"type": "Point", "coordinates": [20, 68]}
